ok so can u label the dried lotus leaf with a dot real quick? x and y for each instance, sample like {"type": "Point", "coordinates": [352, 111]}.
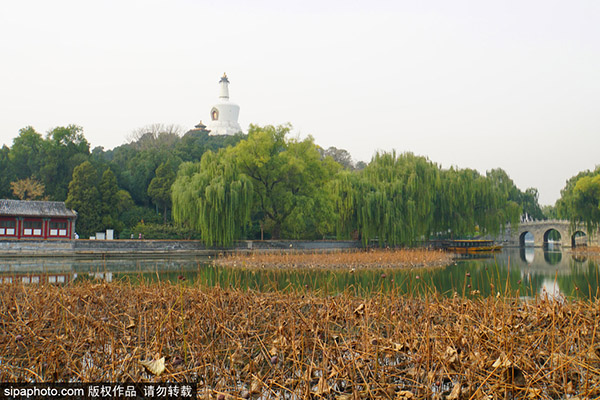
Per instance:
{"type": "Point", "coordinates": [155, 367]}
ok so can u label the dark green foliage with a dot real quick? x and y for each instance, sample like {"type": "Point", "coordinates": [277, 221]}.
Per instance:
{"type": "Point", "coordinates": [51, 160]}
{"type": "Point", "coordinates": [195, 143]}
{"type": "Point", "coordinates": [136, 214]}
{"type": "Point", "coordinates": [27, 153]}
{"type": "Point", "coordinates": [340, 156]}
{"type": "Point", "coordinates": [6, 173]}
{"type": "Point", "coordinates": [110, 201]}
{"type": "Point", "coordinates": [162, 231]}
{"type": "Point", "coordinates": [394, 199]}
{"type": "Point", "coordinates": [65, 148]}
{"type": "Point", "coordinates": [160, 186]}
{"type": "Point", "coordinates": [134, 166]}
{"type": "Point", "coordinates": [586, 202]}
{"type": "Point", "coordinates": [84, 198]}
{"type": "Point", "coordinates": [279, 182]}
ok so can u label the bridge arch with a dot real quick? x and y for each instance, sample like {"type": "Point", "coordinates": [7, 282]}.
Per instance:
{"type": "Point", "coordinates": [578, 238]}
{"type": "Point", "coordinates": [526, 238]}
{"type": "Point", "coordinates": [553, 235]}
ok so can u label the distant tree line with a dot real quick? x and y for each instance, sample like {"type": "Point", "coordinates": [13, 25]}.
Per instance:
{"type": "Point", "coordinates": [126, 188]}
{"type": "Point", "coordinates": [266, 184]}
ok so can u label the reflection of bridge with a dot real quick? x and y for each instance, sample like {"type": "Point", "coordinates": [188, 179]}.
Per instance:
{"type": "Point", "coordinates": [570, 236]}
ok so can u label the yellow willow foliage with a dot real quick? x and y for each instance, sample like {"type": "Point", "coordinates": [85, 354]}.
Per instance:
{"type": "Point", "coordinates": [214, 198]}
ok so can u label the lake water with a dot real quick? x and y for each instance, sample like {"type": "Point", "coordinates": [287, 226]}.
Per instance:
{"type": "Point", "coordinates": [525, 272]}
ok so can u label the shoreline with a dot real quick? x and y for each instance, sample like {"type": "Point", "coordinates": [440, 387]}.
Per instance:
{"type": "Point", "coordinates": [124, 248]}
{"type": "Point", "coordinates": [136, 247]}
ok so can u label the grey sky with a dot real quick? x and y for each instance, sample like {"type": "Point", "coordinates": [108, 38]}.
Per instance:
{"type": "Point", "coordinates": [477, 84]}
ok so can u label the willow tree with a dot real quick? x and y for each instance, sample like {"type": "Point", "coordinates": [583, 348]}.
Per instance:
{"type": "Point", "coordinates": [494, 207]}
{"type": "Point", "coordinates": [586, 202]}
{"type": "Point", "coordinates": [342, 190]}
{"type": "Point", "coordinates": [213, 197]}
{"type": "Point", "coordinates": [401, 200]}
{"type": "Point", "coordinates": [468, 202]}
{"type": "Point", "coordinates": [394, 199]}
{"type": "Point", "coordinates": [289, 178]}
{"type": "Point", "coordinates": [580, 199]}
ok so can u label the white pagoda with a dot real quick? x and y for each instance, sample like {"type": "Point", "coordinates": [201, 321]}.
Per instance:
{"type": "Point", "coordinates": [224, 114]}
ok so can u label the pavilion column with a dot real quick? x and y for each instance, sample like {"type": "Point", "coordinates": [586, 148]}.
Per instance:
{"type": "Point", "coordinates": [19, 227]}
{"type": "Point", "coordinates": [45, 227]}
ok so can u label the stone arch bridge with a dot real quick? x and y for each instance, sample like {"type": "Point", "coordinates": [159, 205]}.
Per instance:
{"type": "Point", "coordinates": [570, 236]}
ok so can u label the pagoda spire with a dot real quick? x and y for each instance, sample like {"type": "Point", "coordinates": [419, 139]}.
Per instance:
{"type": "Point", "coordinates": [224, 82]}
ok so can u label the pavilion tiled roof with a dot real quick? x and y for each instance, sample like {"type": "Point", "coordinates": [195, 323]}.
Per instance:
{"type": "Point", "coordinates": [23, 208]}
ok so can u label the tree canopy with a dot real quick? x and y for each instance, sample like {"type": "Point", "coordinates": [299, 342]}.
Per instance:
{"type": "Point", "coordinates": [401, 200]}
{"type": "Point", "coordinates": [85, 199]}
{"type": "Point", "coordinates": [277, 181]}
{"type": "Point", "coordinates": [580, 199]}
{"type": "Point", "coordinates": [213, 197]}
{"type": "Point", "coordinates": [266, 184]}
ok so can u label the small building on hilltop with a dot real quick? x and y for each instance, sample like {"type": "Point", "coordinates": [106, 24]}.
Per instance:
{"type": "Point", "coordinates": [36, 220]}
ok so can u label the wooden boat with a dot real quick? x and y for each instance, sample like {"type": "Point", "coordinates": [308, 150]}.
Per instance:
{"type": "Point", "coordinates": [471, 246]}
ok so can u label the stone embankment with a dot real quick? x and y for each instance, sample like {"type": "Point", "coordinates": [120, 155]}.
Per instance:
{"type": "Point", "coordinates": [123, 248]}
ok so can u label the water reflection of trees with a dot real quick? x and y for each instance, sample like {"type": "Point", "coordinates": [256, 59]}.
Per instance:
{"type": "Point", "coordinates": [583, 280]}
{"type": "Point", "coordinates": [553, 257]}
{"type": "Point", "coordinates": [468, 278]}
{"type": "Point", "coordinates": [506, 273]}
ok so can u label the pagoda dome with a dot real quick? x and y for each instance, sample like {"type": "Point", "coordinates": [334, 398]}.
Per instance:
{"type": "Point", "coordinates": [224, 114]}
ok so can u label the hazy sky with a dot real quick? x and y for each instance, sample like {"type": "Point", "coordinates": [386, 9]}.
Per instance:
{"type": "Point", "coordinates": [477, 84]}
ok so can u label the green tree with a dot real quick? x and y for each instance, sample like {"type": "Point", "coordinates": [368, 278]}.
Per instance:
{"type": "Point", "coordinates": [281, 181]}
{"type": "Point", "coordinates": [578, 200]}
{"type": "Point", "coordinates": [529, 202]}
{"type": "Point", "coordinates": [84, 198]}
{"type": "Point", "coordinates": [159, 189]}
{"type": "Point", "coordinates": [549, 212]}
{"type": "Point", "coordinates": [65, 148]}
{"type": "Point", "coordinates": [27, 153]}
{"type": "Point", "coordinates": [7, 174]}
{"type": "Point", "coordinates": [135, 163]}
{"type": "Point", "coordinates": [213, 197]}
{"type": "Point", "coordinates": [586, 202]}
{"type": "Point", "coordinates": [469, 203]}
{"type": "Point", "coordinates": [196, 142]}
{"type": "Point", "coordinates": [108, 191]}
{"type": "Point", "coordinates": [342, 191]}
{"type": "Point", "coordinates": [394, 199]}
{"type": "Point", "coordinates": [288, 178]}
{"type": "Point", "coordinates": [401, 200]}
{"type": "Point", "coordinates": [340, 156]}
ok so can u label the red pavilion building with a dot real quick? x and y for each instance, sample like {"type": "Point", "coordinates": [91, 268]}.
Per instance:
{"type": "Point", "coordinates": [36, 220]}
